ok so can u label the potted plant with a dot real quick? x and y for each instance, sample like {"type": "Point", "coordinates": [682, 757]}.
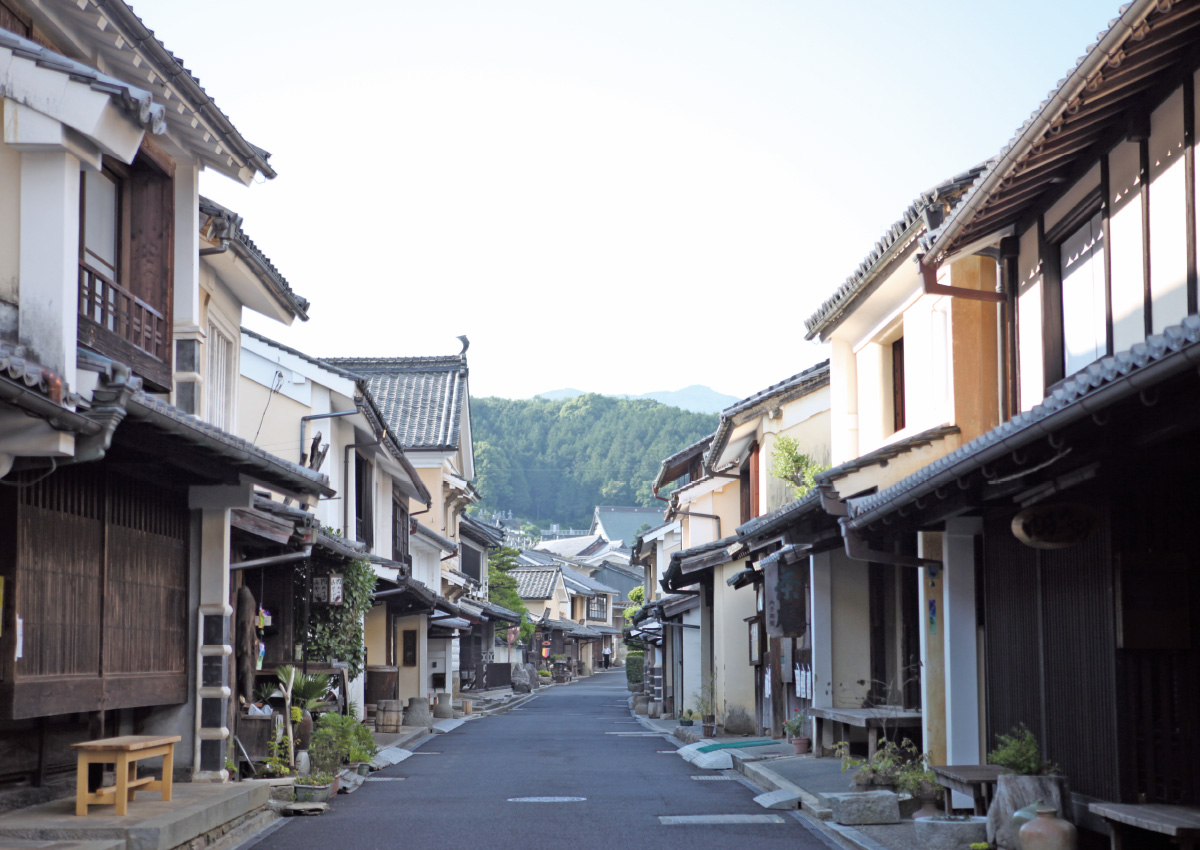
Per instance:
{"type": "Point", "coordinates": [687, 718]}
{"type": "Point", "coordinates": [918, 780]}
{"type": "Point", "coordinates": [706, 706]}
{"type": "Point", "coordinates": [1028, 778]}
{"type": "Point", "coordinates": [880, 771]}
{"type": "Point", "coordinates": [314, 788]}
{"type": "Point", "coordinates": [793, 727]}
{"type": "Point", "coordinates": [308, 691]}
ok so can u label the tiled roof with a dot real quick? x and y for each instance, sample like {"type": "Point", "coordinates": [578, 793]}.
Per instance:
{"type": "Point", "coordinates": [422, 398]}
{"type": "Point", "coordinates": [1113, 77]}
{"type": "Point", "coordinates": [308, 358]}
{"type": "Point", "coordinates": [480, 532]}
{"type": "Point", "coordinates": [588, 582]}
{"type": "Point", "coordinates": [620, 524]}
{"type": "Point", "coordinates": [812, 378]}
{"type": "Point", "coordinates": [136, 102]}
{"type": "Point", "coordinates": [898, 236]}
{"type": "Point", "coordinates": [228, 225]}
{"type": "Point", "coordinates": [568, 546]}
{"type": "Point", "coordinates": [534, 582]}
{"type": "Point", "coordinates": [241, 453]}
{"type": "Point", "coordinates": [883, 454]}
{"type": "Point", "coordinates": [1175, 350]}
{"type": "Point", "coordinates": [781, 517]}
{"type": "Point", "coordinates": [676, 466]}
{"type": "Point", "coordinates": [443, 543]}
{"type": "Point", "coordinates": [532, 557]}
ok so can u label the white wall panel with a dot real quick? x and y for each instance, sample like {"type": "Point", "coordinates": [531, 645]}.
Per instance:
{"type": "Point", "coordinates": [1125, 246]}
{"type": "Point", "coordinates": [1029, 317]}
{"type": "Point", "coordinates": [1168, 204]}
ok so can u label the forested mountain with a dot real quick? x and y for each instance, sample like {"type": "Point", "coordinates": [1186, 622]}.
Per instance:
{"type": "Point", "coordinates": [696, 398]}
{"type": "Point", "coordinates": [556, 460]}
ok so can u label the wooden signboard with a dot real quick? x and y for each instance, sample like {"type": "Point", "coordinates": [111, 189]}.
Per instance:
{"type": "Point", "coordinates": [784, 587]}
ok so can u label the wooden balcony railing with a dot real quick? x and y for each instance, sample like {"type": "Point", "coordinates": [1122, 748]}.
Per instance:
{"type": "Point", "coordinates": [105, 303]}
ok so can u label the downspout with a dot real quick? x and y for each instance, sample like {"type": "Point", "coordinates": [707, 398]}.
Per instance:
{"type": "Point", "coordinates": [702, 516]}
{"type": "Point", "coordinates": [304, 420]}
{"type": "Point", "coordinates": [932, 287]}
{"type": "Point", "coordinates": [858, 549]}
{"type": "Point", "coordinates": [273, 559]}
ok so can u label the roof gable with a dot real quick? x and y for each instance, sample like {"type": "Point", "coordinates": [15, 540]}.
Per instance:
{"type": "Point", "coordinates": [423, 399]}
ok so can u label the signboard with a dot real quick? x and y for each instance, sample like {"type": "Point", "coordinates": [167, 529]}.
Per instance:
{"type": "Point", "coordinates": [784, 588]}
{"type": "Point", "coordinates": [1057, 526]}
{"type": "Point", "coordinates": [327, 590]}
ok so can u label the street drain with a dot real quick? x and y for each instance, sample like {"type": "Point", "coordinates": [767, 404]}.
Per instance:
{"type": "Point", "coordinates": [713, 778]}
{"type": "Point", "coordinates": [694, 820]}
{"type": "Point", "coordinates": [386, 778]}
{"type": "Point", "coordinates": [546, 799]}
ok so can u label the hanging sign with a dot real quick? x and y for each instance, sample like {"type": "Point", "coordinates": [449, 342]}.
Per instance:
{"type": "Point", "coordinates": [783, 597]}
{"type": "Point", "coordinates": [1054, 526]}
{"type": "Point", "coordinates": [335, 589]}
{"type": "Point", "coordinates": [327, 590]}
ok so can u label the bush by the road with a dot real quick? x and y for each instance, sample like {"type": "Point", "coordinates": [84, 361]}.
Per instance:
{"type": "Point", "coordinates": [634, 663]}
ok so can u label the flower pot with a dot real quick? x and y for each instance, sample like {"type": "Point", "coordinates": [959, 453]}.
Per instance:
{"type": "Point", "coordinates": [800, 745]}
{"type": "Point", "coordinates": [710, 726]}
{"type": "Point", "coordinates": [363, 768]}
{"type": "Point", "coordinates": [928, 801]}
{"type": "Point", "coordinates": [313, 793]}
{"type": "Point", "coordinates": [1017, 792]}
{"type": "Point", "coordinates": [686, 721]}
{"type": "Point", "coordinates": [303, 730]}
{"type": "Point", "coordinates": [943, 832]}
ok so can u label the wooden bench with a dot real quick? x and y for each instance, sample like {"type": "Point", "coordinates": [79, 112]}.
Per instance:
{"type": "Point", "coordinates": [873, 719]}
{"type": "Point", "coordinates": [1182, 823]}
{"type": "Point", "coordinates": [124, 753]}
{"type": "Point", "coordinates": [974, 780]}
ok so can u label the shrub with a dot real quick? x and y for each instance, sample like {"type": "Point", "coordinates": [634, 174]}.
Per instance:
{"type": "Point", "coordinates": [1019, 752]}
{"type": "Point", "coordinates": [634, 666]}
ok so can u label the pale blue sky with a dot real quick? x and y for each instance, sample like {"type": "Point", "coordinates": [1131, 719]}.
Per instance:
{"type": "Point", "coordinates": [613, 195]}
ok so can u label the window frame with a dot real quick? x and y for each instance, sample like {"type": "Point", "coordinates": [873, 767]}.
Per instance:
{"type": "Point", "coordinates": [1051, 241]}
{"type": "Point", "coordinates": [401, 529]}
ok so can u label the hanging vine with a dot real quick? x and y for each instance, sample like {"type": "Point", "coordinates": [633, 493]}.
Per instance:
{"type": "Point", "coordinates": [336, 631]}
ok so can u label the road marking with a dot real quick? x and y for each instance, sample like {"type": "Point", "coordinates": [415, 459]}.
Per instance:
{"type": "Point", "coordinates": [718, 778]}
{"type": "Point", "coordinates": [423, 753]}
{"type": "Point", "coordinates": [667, 752]}
{"type": "Point", "coordinates": [386, 778]}
{"type": "Point", "coordinates": [636, 734]}
{"type": "Point", "coordinates": [695, 820]}
{"type": "Point", "coordinates": [546, 799]}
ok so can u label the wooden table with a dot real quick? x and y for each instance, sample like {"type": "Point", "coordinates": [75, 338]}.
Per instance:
{"type": "Point", "coordinates": [974, 780]}
{"type": "Point", "coordinates": [872, 719]}
{"type": "Point", "coordinates": [1182, 823]}
{"type": "Point", "coordinates": [124, 752]}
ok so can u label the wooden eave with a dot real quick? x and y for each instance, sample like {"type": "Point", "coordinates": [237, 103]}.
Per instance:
{"type": "Point", "coordinates": [1129, 85]}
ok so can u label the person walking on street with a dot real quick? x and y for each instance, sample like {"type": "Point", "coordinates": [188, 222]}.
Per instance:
{"type": "Point", "coordinates": [607, 653]}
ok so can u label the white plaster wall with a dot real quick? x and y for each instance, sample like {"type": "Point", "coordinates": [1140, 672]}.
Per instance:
{"type": "Point", "coordinates": [874, 395]}
{"type": "Point", "coordinates": [851, 632]}
{"type": "Point", "coordinates": [1125, 246]}
{"type": "Point", "coordinates": [1168, 205]}
{"type": "Point", "coordinates": [843, 399]}
{"type": "Point", "coordinates": [10, 221]}
{"type": "Point", "coordinates": [691, 659]}
{"type": "Point", "coordinates": [731, 641]}
{"type": "Point", "coordinates": [1031, 383]}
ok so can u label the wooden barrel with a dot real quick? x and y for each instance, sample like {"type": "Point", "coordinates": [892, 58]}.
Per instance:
{"type": "Point", "coordinates": [389, 715]}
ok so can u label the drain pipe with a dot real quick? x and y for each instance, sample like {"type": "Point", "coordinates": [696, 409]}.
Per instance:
{"type": "Point", "coordinates": [304, 420]}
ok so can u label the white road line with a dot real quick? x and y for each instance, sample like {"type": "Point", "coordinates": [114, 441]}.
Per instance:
{"type": "Point", "coordinates": [547, 799]}
{"type": "Point", "coordinates": [696, 820]}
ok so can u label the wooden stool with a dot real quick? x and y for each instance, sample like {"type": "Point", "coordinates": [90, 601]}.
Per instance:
{"type": "Point", "coordinates": [124, 752]}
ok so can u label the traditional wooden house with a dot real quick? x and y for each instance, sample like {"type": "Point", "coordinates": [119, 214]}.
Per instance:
{"type": "Point", "coordinates": [1070, 520]}
{"type": "Point", "coordinates": [122, 514]}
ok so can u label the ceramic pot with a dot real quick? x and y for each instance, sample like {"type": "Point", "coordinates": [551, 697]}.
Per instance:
{"type": "Point", "coordinates": [928, 800]}
{"type": "Point", "coordinates": [364, 768]}
{"type": "Point", "coordinates": [1049, 832]}
{"type": "Point", "coordinates": [303, 730]}
{"type": "Point", "coordinates": [686, 721]}
{"type": "Point", "coordinates": [800, 745]}
{"type": "Point", "coordinates": [710, 730]}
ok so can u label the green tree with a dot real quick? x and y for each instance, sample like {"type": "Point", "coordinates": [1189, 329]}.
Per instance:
{"type": "Point", "coordinates": [502, 588]}
{"type": "Point", "coordinates": [794, 466]}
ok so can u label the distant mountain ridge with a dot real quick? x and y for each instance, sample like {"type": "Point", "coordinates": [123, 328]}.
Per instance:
{"type": "Point", "coordinates": [696, 398]}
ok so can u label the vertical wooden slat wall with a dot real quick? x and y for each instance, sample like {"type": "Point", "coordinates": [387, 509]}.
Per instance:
{"type": "Point", "coordinates": [102, 576]}
{"type": "Point", "coordinates": [1079, 661]}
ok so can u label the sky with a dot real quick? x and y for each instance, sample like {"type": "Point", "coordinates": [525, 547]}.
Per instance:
{"type": "Point", "coordinates": [621, 196]}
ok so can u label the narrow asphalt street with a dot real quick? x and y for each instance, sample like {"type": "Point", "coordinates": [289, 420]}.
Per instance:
{"type": "Point", "coordinates": [580, 741]}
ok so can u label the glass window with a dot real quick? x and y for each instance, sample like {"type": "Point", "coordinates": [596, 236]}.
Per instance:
{"type": "Point", "coordinates": [219, 379]}
{"type": "Point", "coordinates": [101, 196]}
{"type": "Point", "coordinates": [1081, 264]}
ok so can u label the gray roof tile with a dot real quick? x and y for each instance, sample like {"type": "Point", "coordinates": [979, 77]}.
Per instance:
{"type": "Point", "coordinates": [534, 582]}
{"type": "Point", "coordinates": [422, 398]}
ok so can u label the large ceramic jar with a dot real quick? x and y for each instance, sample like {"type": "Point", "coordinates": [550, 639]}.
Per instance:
{"type": "Point", "coordinates": [1049, 832]}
